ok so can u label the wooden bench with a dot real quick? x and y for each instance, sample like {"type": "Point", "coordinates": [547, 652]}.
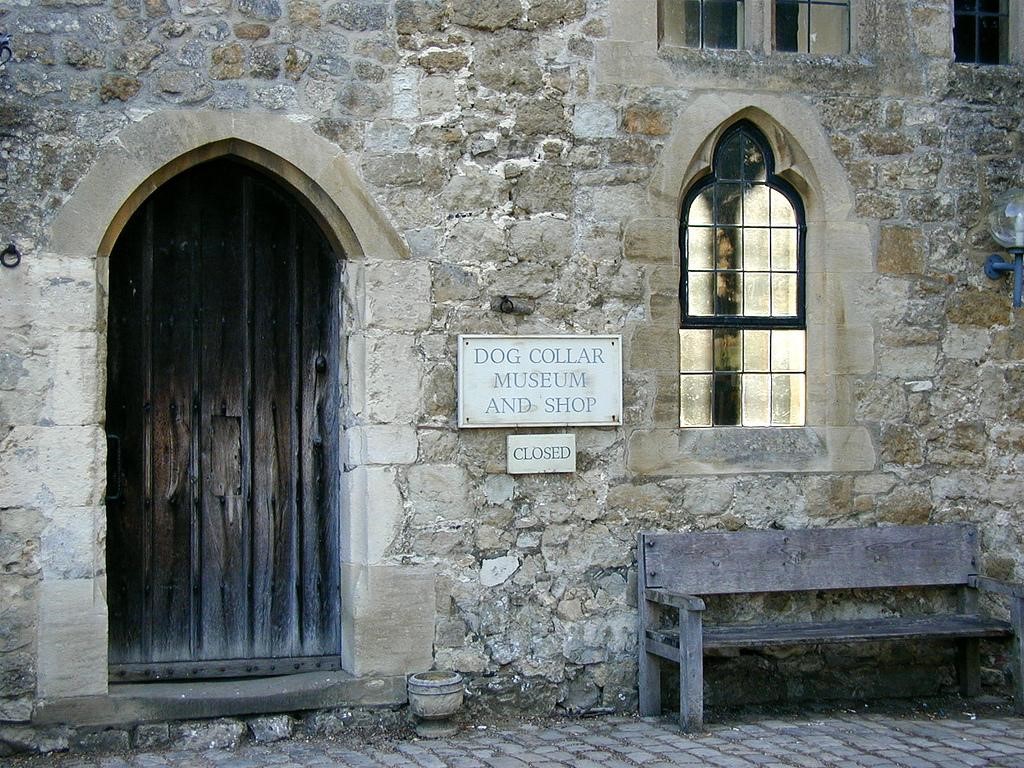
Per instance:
{"type": "Point", "coordinates": [675, 569]}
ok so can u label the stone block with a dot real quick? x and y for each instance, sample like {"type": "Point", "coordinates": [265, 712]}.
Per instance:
{"type": "Point", "coordinates": [631, 63]}
{"type": "Point", "coordinates": [618, 203]}
{"type": "Point", "coordinates": [631, 21]}
{"type": "Point", "coordinates": [931, 27]}
{"type": "Point", "coordinates": [981, 308]}
{"type": "Point", "coordinates": [265, 730]}
{"type": "Point", "coordinates": [203, 735]}
{"type": "Point", "coordinates": [75, 370]}
{"type": "Point", "coordinates": [68, 546]}
{"type": "Point", "coordinates": [961, 343]}
{"type": "Point", "coordinates": [543, 117]}
{"type": "Point", "coordinates": [647, 120]}
{"type": "Point", "coordinates": [368, 535]}
{"type": "Point", "coordinates": [498, 570]}
{"type": "Point", "coordinates": [388, 136]}
{"type": "Point", "coordinates": [652, 240]}
{"type": "Point", "coordinates": [438, 94]}
{"type": "Point", "coordinates": [404, 105]}
{"type": "Point", "coordinates": [475, 241]}
{"type": "Point", "coordinates": [595, 120]}
{"type": "Point", "coordinates": [359, 16]}
{"type": "Point", "coordinates": [901, 250]}
{"type": "Point", "coordinates": [544, 189]}
{"type": "Point", "coordinates": [398, 295]}
{"type": "Point", "coordinates": [913, 361]}
{"type": "Point", "coordinates": [652, 452]}
{"type": "Point", "coordinates": [392, 602]}
{"type": "Point", "coordinates": [439, 492]}
{"type": "Point", "coordinates": [394, 373]}
{"type": "Point", "coordinates": [72, 639]}
{"type": "Point", "coordinates": [51, 292]}
{"type": "Point", "coordinates": [474, 190]}
{"type": "Point", "coordinates": [151, 736]}
{"type": "Point", "coordinates": [654, 348]}
{"type": "Point", "coordinates": [507, 62]}
{"type": "Point", "coordinates": [403, 169]}
{"type": "Point", "coordinates": [20, 531]}
{"type": "Point", "coordinates": [418, 16]}
{"type": "Point", "coordinates": [18, 631]}
{"type": "Point", "coordinates": [541, 239]}
{"type": "Point", "coordinates": [382, 444]}
{"type": "Point", "coordinates": [546, 12]}
{"type": "Point", "coordinates": [852, 348]}
{"type": "Point", "coordinates": [40, 466]}
{"type": "Point", "coordinates": [847, 249]}
{"type": "Point", "coordinates": [486, 14]}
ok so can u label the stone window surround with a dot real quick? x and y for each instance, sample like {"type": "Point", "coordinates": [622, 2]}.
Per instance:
{"type": "Point", "coordinates": [72, 628]}
{"type": "Point", "coordinates": [636, 24]}
{"type": "Point", "coordinates": [840, 333]}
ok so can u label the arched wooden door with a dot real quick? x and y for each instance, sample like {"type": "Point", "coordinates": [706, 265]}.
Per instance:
{"type": "Point", "coordinates": [222, 420]}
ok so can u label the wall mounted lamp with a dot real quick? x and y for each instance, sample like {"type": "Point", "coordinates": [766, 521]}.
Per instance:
{"type": "Point", "coordinates": [1006, 220]}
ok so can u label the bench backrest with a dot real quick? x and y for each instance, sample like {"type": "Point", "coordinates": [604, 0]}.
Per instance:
{"type": "Point", "coordinates": [834, 558]}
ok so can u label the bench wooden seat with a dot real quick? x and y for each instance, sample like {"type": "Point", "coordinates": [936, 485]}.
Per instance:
{"type": "Point", "coordinates": [861, 631]}
{"type": "Point", "coordinates": [676, 569]}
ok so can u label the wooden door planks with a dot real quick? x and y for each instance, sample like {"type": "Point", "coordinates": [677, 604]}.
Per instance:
{"type": "Point", "coordinates": [224, 372]}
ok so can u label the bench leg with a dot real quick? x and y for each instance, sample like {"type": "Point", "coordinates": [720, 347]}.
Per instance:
{"type": "Point", "coordinates": [968, 667]}
{"type": "Point", "coordinates": [1017, 619]}
{"type": "Point", "coordinates": [691, 671]}
{"type": "Point", "coordinates": [650, 683]}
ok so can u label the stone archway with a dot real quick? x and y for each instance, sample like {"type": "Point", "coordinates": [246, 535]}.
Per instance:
{"type": "Point", "coordinates": [72, 629]}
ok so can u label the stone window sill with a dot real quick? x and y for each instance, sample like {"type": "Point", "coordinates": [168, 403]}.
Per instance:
{"type": "Point", "coordinates": [742, 450]}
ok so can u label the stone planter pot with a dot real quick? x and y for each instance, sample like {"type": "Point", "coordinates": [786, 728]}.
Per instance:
{"type": "Point", "coordinates": [433, 698]}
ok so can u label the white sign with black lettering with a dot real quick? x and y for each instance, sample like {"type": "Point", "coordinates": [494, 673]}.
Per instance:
{"type": "Point", "coordinates": [537, 454]}
{"type": "Point", "coordinates": [551, 381]}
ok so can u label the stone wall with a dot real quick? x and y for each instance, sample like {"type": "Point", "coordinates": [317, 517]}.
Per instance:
{"type": "Point", "coordinates": [537, 149]}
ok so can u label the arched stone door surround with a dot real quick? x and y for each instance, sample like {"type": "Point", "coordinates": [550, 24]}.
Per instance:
{"type": "Point", "coordinates": [72, 627]}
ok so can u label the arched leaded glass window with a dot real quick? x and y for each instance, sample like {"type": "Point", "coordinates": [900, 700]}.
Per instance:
{"type": "Point", "coordinates": [742, 343]}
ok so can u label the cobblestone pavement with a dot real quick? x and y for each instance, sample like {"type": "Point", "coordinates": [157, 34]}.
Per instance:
{"type": "Point", "coordinates": [853, 741]}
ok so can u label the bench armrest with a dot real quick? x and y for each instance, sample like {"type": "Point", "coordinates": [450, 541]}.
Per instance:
{"type": "Point", "coordinates": [675, 599]}
{"type": "Point", "coordinates": [986, 584]}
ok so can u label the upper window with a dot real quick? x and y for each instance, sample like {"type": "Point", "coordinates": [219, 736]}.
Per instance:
{"type": "Point", "coordinates": [742, 340]}
{"type": "Point", "coordinates": [981, 31]}
{"type": "Point", "coordinates": [812, 26]}
{"type": "Point", "coordinates": [703, 23]}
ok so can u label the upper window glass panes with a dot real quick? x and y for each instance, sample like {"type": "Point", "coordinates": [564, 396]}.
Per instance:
{"type": "Point", "coordinates": [981, 31]}
{"type": "Point", "coordinates": [812, 26]}
{"type": "Point", "coordinates": [703, 23]}
{"type": "Point", "coordinates": [742, 240]}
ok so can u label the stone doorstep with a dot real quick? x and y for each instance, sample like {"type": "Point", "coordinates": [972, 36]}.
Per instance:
{"type": "Point", "coordinates": [133, 703]}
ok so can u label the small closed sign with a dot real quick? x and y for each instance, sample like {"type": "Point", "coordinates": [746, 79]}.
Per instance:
{"type": "Point", "coordinates": [538, 454]}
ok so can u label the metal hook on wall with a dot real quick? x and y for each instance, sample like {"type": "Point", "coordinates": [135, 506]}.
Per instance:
{"type": "Point", "coordinates": [10, 256]}
{"type": "Point", "coordinates": [6, 54]}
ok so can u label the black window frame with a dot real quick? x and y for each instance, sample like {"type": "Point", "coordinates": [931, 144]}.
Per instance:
{"type": "Point", "coordinates": [759, 322]}
{"type": "Point", "coordinates": [976, 14]}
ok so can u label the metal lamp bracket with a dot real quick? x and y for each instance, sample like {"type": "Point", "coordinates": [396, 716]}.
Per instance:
{"type": "Point", "coordinates": [996, 266]}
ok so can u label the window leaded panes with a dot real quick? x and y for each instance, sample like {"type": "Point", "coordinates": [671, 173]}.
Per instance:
{"type": "Point", "coordinates": [703, 23]}
{"type": "Point", "coordinates": [742, 340]}
{"type": "Point", "coordinates": [981, 30]}
{"type": "Point", "coordinates": [812, 26]}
